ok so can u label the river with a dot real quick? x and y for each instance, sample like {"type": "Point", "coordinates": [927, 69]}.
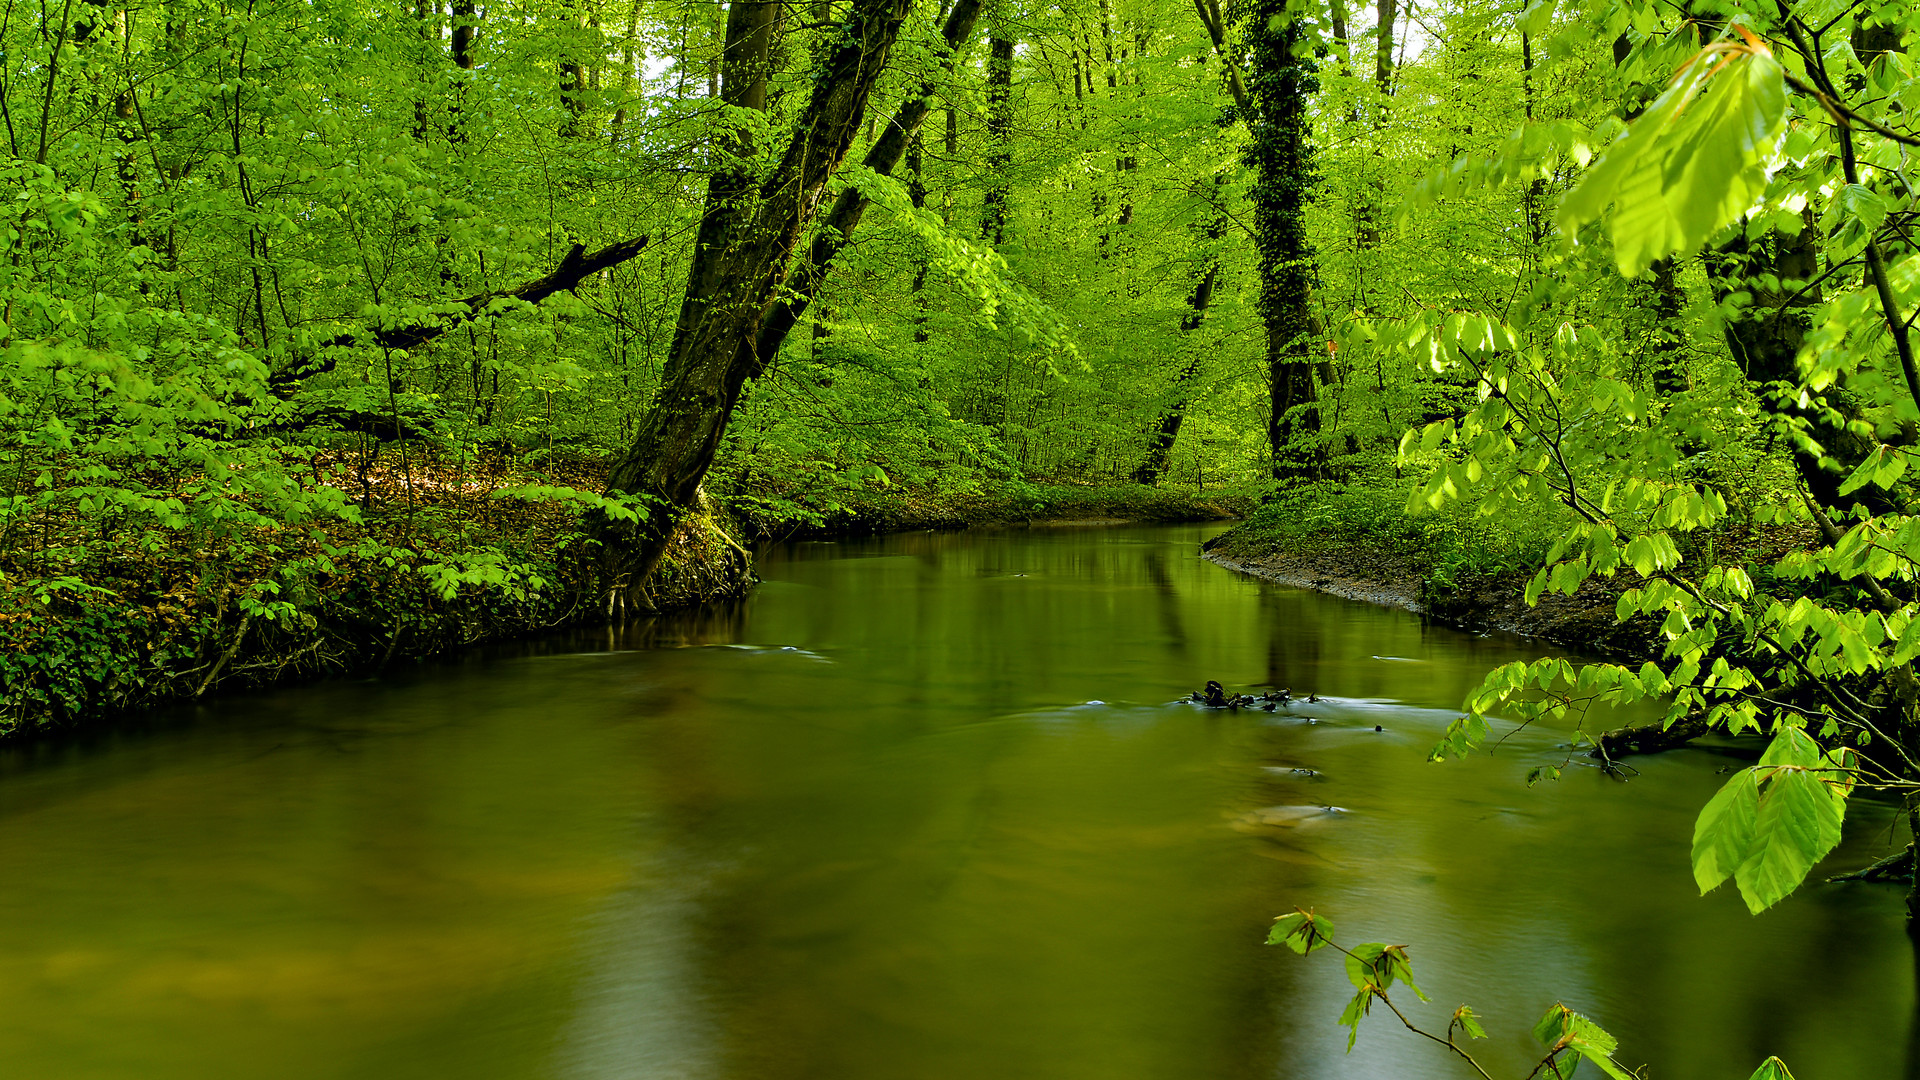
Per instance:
{"type": "Point", "coordinates": [923, 807]}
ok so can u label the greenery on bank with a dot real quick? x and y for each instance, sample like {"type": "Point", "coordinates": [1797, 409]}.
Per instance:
{"type": "Point", "coordinates": [1455, 551]}
{"type": "Point", "coordinates": [431, 558]}
{"type": "Point", "coordinates": [1010, 503]}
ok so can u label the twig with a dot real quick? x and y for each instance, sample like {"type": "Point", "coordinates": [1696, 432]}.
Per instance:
{"type": "Point", "coordinates": [232, 648]}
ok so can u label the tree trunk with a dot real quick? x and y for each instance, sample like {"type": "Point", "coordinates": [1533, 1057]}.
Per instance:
{"type": "Point", "coordinates": [1665, 301]}
{"type": "Point", "coordinates": [902, 131]}
{"type": "Point", "coordinates": [1281, 81]}
{"type": "Point", "coordinates": [1765, 338]}
{"type": "Point", "coordinates": [1337, 14]}
{"type": "Point", "coordinates": [1209, 12]}
{"type": "Point", "coordinates": [465, 26]}
{"type": "Point", "coordinates": [573, 74]}
{"type": "Point", "coordinates": [1389, 14]}
{"type": "Point", "coordinates": [993, 223]}
{"type": "Point", "coordinates": [737, 271]}
{"type": "Point", "coordinates": [917, 194]}
{"type": "Point", "coordinates": [1367, 210]}
{"type": "Point", "coordinates": [427, 14]}
{"type": "Point", "coordinates": [1167, 431]}
{"type": "Point", "coordinates": [628, 55]}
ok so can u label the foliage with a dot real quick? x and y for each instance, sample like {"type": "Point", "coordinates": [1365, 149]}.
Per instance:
{"type": "Point", "coordinates": [1374, 967]}
{"type": "Point", "coordinates": [1788, 660]}
{"type": "Point", "coordinates": [1454, 548]}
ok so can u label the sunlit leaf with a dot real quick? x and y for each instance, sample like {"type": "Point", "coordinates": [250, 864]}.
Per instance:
{"type": "Point", "coordinates": [1696, 161]}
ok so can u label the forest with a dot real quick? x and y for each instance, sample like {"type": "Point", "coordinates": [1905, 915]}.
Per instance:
{"type": "Point", "coordinates": [337, 331]}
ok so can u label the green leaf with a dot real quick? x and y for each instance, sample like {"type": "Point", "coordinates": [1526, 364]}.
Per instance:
{"type": "Point", "coordinates": [1468, 1022]}
{"type": "Point", "coordinates": [1695, 162]}
{"type": "Point", "coordinates": [1351, 1015]}
{"type": "Point", "coordinates": [1862, 203]}
{"type": "Point", "coordinates": [1563, 1029]}
{"type": "Point", "coordinates": [1723, 833]}
{"type": "Point", "coordinates": [1301, 931]}
{"type": "Point", "coordinates": [1364, 967]}
{"type": "Point", "coordinates": [1537, 17]}
{"type": "Point", "coordinates": [1771, 1069]}
{"type": "Point", "coordinates": [1772, 823]}
{"type": "Point", "coordinates": [1798, 823]}
{"type": "Point", "coordinates": [1461, 738]}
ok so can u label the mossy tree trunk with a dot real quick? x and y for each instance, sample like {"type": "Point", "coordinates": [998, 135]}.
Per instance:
{"type": "Point", "coordinates": [744, 293]}
{"type": "Point", "coordinates": [1280, 81]}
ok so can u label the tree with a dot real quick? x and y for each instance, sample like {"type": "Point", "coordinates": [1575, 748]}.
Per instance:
{"type": "Point", "coordinates": [1280, 150]}
{"type": "Point", "coordinates": [736, 273]}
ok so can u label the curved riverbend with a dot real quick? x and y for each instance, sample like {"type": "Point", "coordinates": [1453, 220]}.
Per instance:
{"type": "Point", "coordinates": [923, 806]}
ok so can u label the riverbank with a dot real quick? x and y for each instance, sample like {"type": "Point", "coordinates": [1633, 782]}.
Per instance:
{"type": "Point", "coordinates": [1456, 568]}
{"type": "Point", "coordinates": [1584, 621]}
{"type": "Point", "coordinates": [427, 558]}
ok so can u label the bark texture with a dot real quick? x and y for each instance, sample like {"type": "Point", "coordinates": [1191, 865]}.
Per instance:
{"type": "Point", "coordinates": [1280, 83]}
{"type": "Point", "coordinates": [1167, 431]}
{"type": "Point", "coordinates": [746, 249]}
{"type": "Point", "coordinates": [1765, 339]}
{"type": "Point", "coordinates": [993, 219]}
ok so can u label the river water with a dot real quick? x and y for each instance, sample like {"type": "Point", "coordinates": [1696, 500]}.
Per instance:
{"type": "Point", "coordinates": [924, 807]}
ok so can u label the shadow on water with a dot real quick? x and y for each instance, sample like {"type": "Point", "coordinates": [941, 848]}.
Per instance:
{"type": "Point", "coordinates": [926, 805]}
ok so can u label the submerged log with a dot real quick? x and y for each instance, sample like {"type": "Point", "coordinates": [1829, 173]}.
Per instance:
{"type": "Point", "coordinates": [1216, 697]}
{"type": "Point", "coordinates": [1646, 739]}
{"type": "Point", "coordinates": [1895, 867]}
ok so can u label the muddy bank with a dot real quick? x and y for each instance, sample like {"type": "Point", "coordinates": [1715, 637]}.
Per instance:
{"type": "Point", "coordinates": [1583, 622]}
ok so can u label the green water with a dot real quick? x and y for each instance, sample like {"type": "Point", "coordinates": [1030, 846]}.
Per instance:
{"type": "Point", "coordinates": [922, 808]}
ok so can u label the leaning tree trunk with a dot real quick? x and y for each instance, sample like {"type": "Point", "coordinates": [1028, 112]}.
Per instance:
{"type": "Point", "coordinates": [901, 133]}
{"type": "Point", "coordinates": [738, 270]}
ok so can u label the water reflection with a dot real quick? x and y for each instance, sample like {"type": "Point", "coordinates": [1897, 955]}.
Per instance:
{"type": "Point", "coordinates": [928, 805]}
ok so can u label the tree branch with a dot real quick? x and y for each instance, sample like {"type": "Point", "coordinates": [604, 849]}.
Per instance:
{"type": "Point", "coordinates": [575, 268]}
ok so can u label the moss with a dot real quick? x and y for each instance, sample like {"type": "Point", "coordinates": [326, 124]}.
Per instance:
{"type": "Point", "coordinates": [120, 633]}
{"type": "Point", "coordinates": [434, 564]}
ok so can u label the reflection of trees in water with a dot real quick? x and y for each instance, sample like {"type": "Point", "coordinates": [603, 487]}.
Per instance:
{"type": "Point", "coordinates": [1293, 653]}
{"type": "Point", "coordinates": [720, 623]}
{"type": "Point", "coordinates": [1167, 596]}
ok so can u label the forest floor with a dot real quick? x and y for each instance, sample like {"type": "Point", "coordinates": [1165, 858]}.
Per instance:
{"type": "Point", "coordinates": [432, 556]}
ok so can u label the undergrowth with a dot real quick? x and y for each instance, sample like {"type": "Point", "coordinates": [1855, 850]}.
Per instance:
{"type": "Point", "coordinates": [1453, 549]}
